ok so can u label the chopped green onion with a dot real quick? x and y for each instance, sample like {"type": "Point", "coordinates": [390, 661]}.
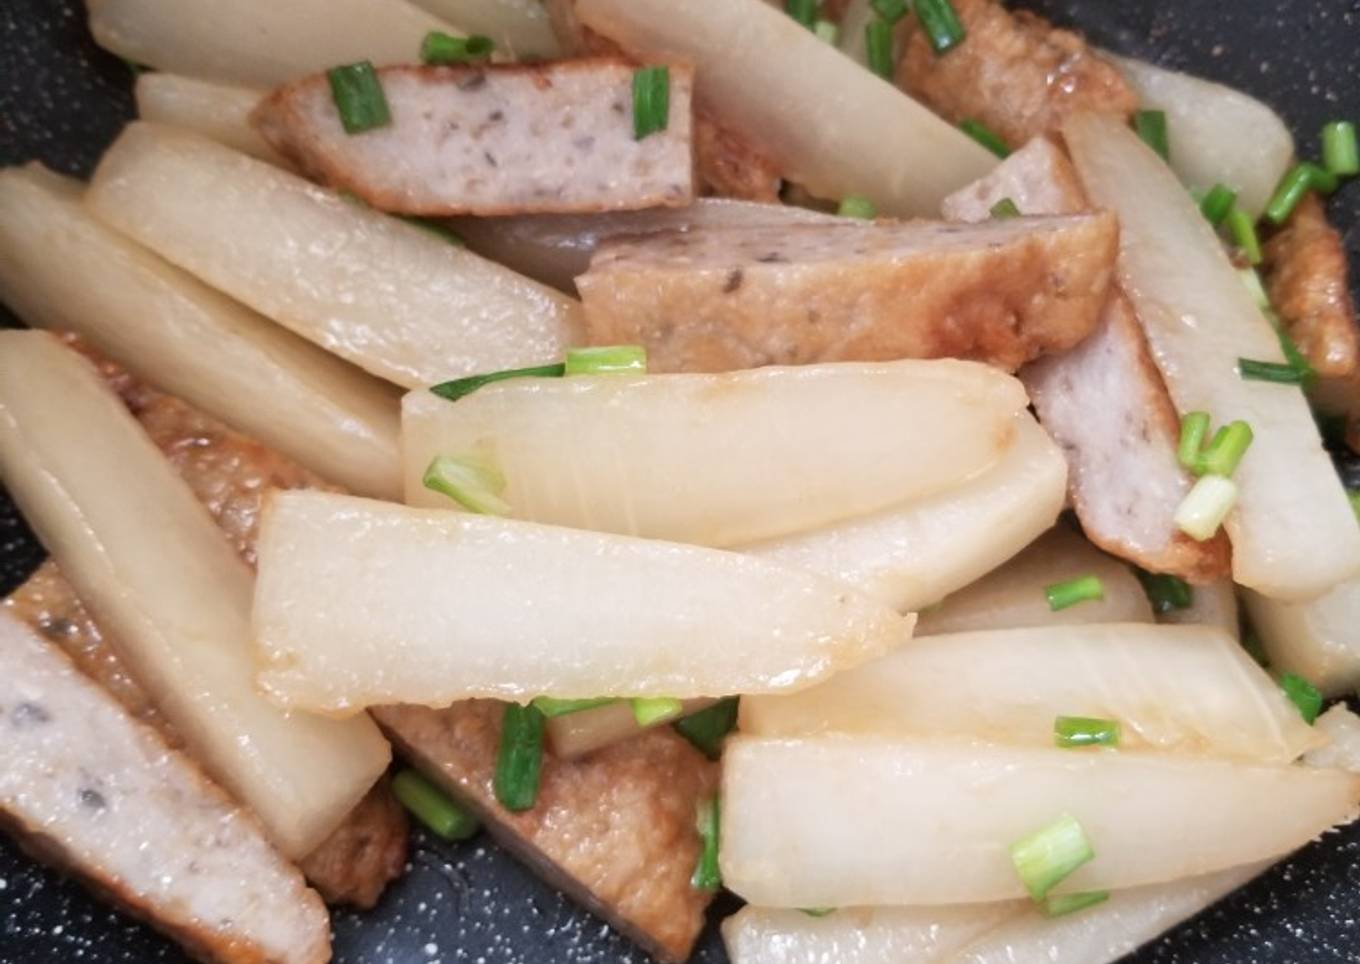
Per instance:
{"type": "Point", "coordinates": [1047, 856]}
{"type": "Point", "coordinates": [1292, 355]}
{"type": "Point", "coordinates": [519, 761]}
{"type": "Point", "coordinates": [1061, 595]}
{"type": "Point", "coordinates": [359, 97]}
{"type": "Point", "coordinates": [1340, 149]}
{"type": "Point", "coordinates": [1069, 731]}
{"type": "Point", "coordinates": [1071, 903]}
{"type": "Point", "coordinates": [439, 48]}
{"type": "Point", "coordinates": [550, 706]}
{"type": "Point", "coordinates": [1251, 280]}
{"type": "Point", "coordinates": [651, 100]}
{"type": "Point", "coordinates": [827, 32]}
{"type": "Point", "coordinates": [804, 11]}
{"type": "Point", "coordinates": [1303, 695]}
{"type": "Point", "coordinates": [1225, 452]}
{"type": "Point", "coordinates": [437, 228]}
{"type": "Point", "coordinates": [432, 807]}
{"type": "Point", "coordinates": [471, 481]}
{"type": "Point", "coordinates": [708, 821]}
{"type": "Point", "coordinates": [1281, 373]}
{"type": "Point", "coordinates": [606, 359]}
{"type": "Point", "coordinates": [1005, 208]}
{"type": "Point", "coordinates": [890, 10]}
{"type": "Point", "coordinates": [1166, 592]}
{"type": "Point", "coordinates": [856, 206]}
{"type": "Point", "coordinates": [1296, 182]}
{"type": "Point", "coordinates": [460, 387]}
{"type": "Point", "coordinates": [1353, 496]}
{"type": "Point", "coordinates": [817, 911]}
{"type": "Point", "coordinates": [1194, 429]}
{"type": "Point", "coordinates": [1151, 128]}
{"type": "Point", "coordinates": [1205, 507]}
{"type": "Point", "coordinates": [707, 728]}
{"type": "Point", "coordinates": [985, 136]}
{"type": "Point", "coordinates": [654, 710]}
{"type": "Point", "coordinates": [1243, 231]}
{"type": "Point", "coordinates": [878, 47]}
{"type": "Point", "coordinates": [941, 24]}
{"type": "Point", "coordinates": [1218, 203]}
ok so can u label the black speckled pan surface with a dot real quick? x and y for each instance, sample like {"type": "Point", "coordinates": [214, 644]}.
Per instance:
{"type": "Point", "coordinates": [62, 100]}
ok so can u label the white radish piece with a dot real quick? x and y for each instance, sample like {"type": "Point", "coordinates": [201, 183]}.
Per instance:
{"type": "Point", "coordinates": [1217, 135]}
{"type": "Point", "coordinates": [220, 112]}
{"type": "Point", "coordinates": [1318, 639]}
{"type": "Point", "coordinates": [361, 603]}
{"type": "Point", "coordinates": [1212, 605]}
{"type": "Point", "coordinates": [146, 557]}
{"type": "Point", "coordinates": [1171, 688]}
{"type": "Point", "coordinates": [392, 298]}
{"type": "Point", "coordinates": [190, 340]}
{"type": "Point", "coordinates": [720, 459]}
{"type": "Point", "coordinates": [260, 42]}
{"type": "Point", "coordinates": [1342, 728]}
{"type": "Point", "coordinates": [582, 732]}
{"type": "Point", "coordinates": [1293, 533]}
{"type": "Point", "coordinates": [914, 554]}
{"type": "Point", "coordinates": [1013, 596]}
{"type": "Point", "coordinates": [520, 28]}
{"type": "Point", "coordinates": [829, 124]}
{"type": "Point", "coordinates": [846, 821]}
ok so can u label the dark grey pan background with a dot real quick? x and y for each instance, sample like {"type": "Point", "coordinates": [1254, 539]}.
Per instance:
{"type": "Point", "coordinates": [62, 100]}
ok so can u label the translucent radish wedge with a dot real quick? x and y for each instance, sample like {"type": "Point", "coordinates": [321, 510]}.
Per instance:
{"type": "Point", "coordinates": [576, 734]}
{"type": "Point", "coordinates": [520, 28]}
{"type": "Point", "coordinates": [1318, 639]}
{"type": "Point", "coordinates": [1171, 688]}
{"type": "Point", "coordinates": [1293, 533]}
{"type": "Point", "coordinates": [847, 821]}
{"type": "Point", "coordinates": [361, 603]}
{"type": "Point", "coordinates": [1342, 728]}
{"type": "Point", "coordinates": [721, 460]}
{"type": "Point", "coordinates": [220, 112]}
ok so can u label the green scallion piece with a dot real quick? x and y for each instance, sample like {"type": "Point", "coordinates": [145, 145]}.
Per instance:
{"type": "Point", "coordinates": [1205, 507]}
{"type": "Point", "coordinates": [359, 97]}
{"type": "Point", "coordinates": [1071, 731]}
{"type": "Point", "coordinates": [1225, 452]}
{"type": "Point", "coordinates": [470, 480]}
{"type": "Point", "coordinates": [804, 11]}
{"type": "Point", "coordinates": [1340, 148]}
{"type": "Point", "coordinates": [857, 206]}
{"type": "Point", "coordinates": [985, 136]}
{"type": "Point", "coordinates": [1251, 280]}
{"type": "Point", "coordinates": [827, 32]}
{"type": "Point", "coordinates": [438, 48]}
{"type": "Point", "coordinates": [651, 100]}
{"type": "Point", "coordinates": [1003, 209]}
{"type": "Point", "coordinates": [1303, 695]}
{"type": "Point", "coordinates": [890, 11]}
{"type": "Point", "coordinates": [1166, 593]}
{"type": "Point", "coordinates": [460, 387]}
{"type": "Point", "coordinates": [878, 47]}
{"type": "Point", "coordinates": [519, 761]}
{"type": "Point", "coordinates": [656, 709]}
{"type": "Point", "coordinates": [550, 706]}
{"type": "Point", "coordinates": [1071, 903]}
{"type": "Point", "coordinates": [707, 728]}
{"type": "Point", "coordinates": [1194, 430]}
{"type": "Point", "coordinates": [817, 911]}
{"type": "Point", "coordinates": [1292, 356]}
{"type": "Point", "coordinates": [1297, 182]}
{"type": "Point", "coordinates": [1061, 595]}
{"type": "Point", "coordinates": [1353, 496]}
{"type": "Point", "coordinates": [1243, 231]}
{"type": "Point", "coordinates": [708, 821]}
{"type": "Point", "coordinates": [1045, 858]}
{"type": "Point", "coordinates": [437, 228]}
{"type": "Point", "coordinates": [1151, 128]}
{"type": "Point", "coordinates": [941, 24]}
{"type": "Point", "coordinates": [432, 807]}
{"type": "Point", "coordinates": [1281, 373]}
{"type": "Point", "coordinates": [1218, 203]}
{"type": "Point", "coordinates": [607, 360]}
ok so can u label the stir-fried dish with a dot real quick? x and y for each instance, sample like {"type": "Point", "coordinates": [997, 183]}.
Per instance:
{"type": "Point", "coordinates": [874, 458]}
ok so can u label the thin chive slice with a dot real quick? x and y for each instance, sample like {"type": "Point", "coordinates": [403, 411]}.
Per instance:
{"type": "Point", "coordinates": [1251, 280]}
{"type": "Point", "coordinates": [1281, 373]}
{"type": "Point", "coordinates": [856, 206]}
{"type": "Point", "coordinates": [817, 911]}
{"type": "Point", "coordinates": [460, 387]}
{"type": "Point", "coordinates": [1151, 128]}
{"type": "Point", "coordinates": [1225, 452]}
{"type": "Point", "coordinates": [1243, 231]}
{"type": "Point", "coordinates": [1071, 731]}
{"type": "Point", "coordinates": [1353, 496]}
{"type": "Point", "coordinates": [1047, 856]}
{"type": "Point", "coordinates": [1292, 355]}
{"type": "Point", "coordinates": [432, 807]}
{"type": "Point", "coordinates": [1071, 903]}
{"type": "Point", "coordinates": [651, 100]}
{"type": "Point", "coordinates": [471, 481]}
{"type": "Point", "coordinates": [1205, 507]}
{"type": "Point", "coordinates": [1340, 148]}
{"type": "Point", "coordinates": [606, 359]}
{"type": "Point", "coordinates": [706, 729]}
{"type": "Point", "coordinates": [1194, 429]}
{"type": "Point", "coordinates": [1166, 593]}
{"type": "Point", "coordinates": [804, 11]}
{"type": "Point", "coordinates": [878, 47]}
{"type": "Point", "coordinates": [657, 709]}
{"type": "Point", "coordinates": [827, 32]}
{"type": "Point", "coordinates": [708, 821]}
{"type": "Point", "coordinates": [1003, 209]}
{"type": "Point", "coordinates": [439, 48]}
{"type": "Point", "coordinates": [1303, 695]}
{"type": "Point", "coordinates": [550, 706]}
{"type": "Point", "coordinates": [359, 97]}
{"type": "Point", "coordinates": [890, 10]}
{"type": "Point", "coordinates": [519, 761]}
{"type": "Point", "coordinates": [941, 23]}
{"type": "Point", "coordinates": [1297, 182]}
{"type": "Point", "coordinates": [1218, 203]}
{"type": "Point", "coordinates": [1061, 595]}
{"type": "Point", "coordinates": [985, 136]}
